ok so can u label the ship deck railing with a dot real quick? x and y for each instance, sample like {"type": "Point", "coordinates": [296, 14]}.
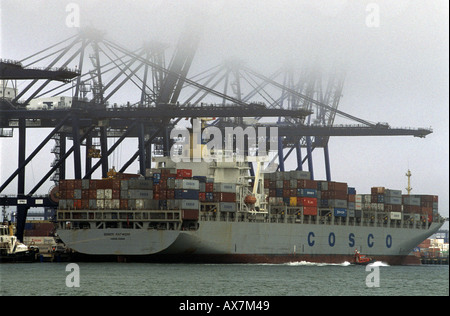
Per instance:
{"type": "Point", "coordinates": [279, 214]}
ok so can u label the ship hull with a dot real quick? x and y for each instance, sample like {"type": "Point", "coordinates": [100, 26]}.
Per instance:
{"type": "Point", "coordinates": [247, 242]}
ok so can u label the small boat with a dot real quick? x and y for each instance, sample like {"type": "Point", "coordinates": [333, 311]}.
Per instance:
{"type": "Point", "coordinates": [360, 259]}
{"type": "Point", "coordinates": [11, 250]}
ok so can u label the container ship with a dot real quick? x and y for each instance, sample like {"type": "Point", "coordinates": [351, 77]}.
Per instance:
{"type": "Point", "coordinates": [215, 212]}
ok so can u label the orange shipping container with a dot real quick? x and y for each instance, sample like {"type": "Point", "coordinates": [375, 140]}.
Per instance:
{"type": "Point", "coordinates": [309, 210]}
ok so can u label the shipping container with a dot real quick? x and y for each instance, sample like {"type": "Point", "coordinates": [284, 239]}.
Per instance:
{"type": "Point", "coordinates": [190, 215]}
{"type": "Point", "coordinates": [393, 200]}
{"type": "Point", "coordinates": [100, 194]}
{"type": "Point", "coordinates": [186, 194]}
{"type": "Point", "coordinates": [227, 207]}
{"type": "Point", "coordinates": [393, 193]}
{"type": "Point", "coordinates": [411, 200]}
{"type": "Point", "coordinates": [184, 173]}
{"type": "Point", "coordinates": [224, 197]}
{"type": "Point", "coordinates": [140, 194]}
{"type": "Point", "coordinates": [138, 183]}
{"type": "Point", "coordinates": [337, 203]}
{"type": "Point", "coordinates": [307, 193]}
{"type": "Point", "coordinates": [298, 175]}
{"type": "Point", "coordinates": [100, 204]}
{"type": "Point", "coordinates": [108, 194]}
{"type": "Point", "coordinates": [340, 212]}
{"type": "Point", "coordinates": [306, 201]}
{"type": "Point", "coordinates": [293, 201]}
{"type": "Point", "coordinates": [188, 204]}
{"type": "Point", "coordinates": [309, 210]}
{"type": "Point", "coordinates": [306, 184]}
{"type": "Point", "coordinates": [187, 184]}
{"type": "Point", "coordinates": [395, 215]}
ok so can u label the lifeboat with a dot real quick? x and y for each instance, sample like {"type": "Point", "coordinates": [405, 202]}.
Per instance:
{"type": "Point", "coordinates": [360, 259]}
{"type": "Point", "coordinates": [250, 199]}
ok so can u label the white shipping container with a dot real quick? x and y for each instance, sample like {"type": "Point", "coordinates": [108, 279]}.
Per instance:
{"type": "Point", "coordinates": [100, 204]}
{"type": "Point", "coordinates": [108, 204]}
{"type": "Point", "coordinates": [393, 193]}
{"type": "Point", "coordinates": [227, 207]}
{"type": "Point", "coordinates": [358, 198]}
{"type": "Point", "coordinates": [187, 184]}
{"type": "Point", "coordinates": [298, 174]}
{"type": "Point", "coordinates": [358, 206]}
{"type": "Point", "coordinates": [108, 194]}
{"type": "Point", "coordinates": [189, 204]}
{"type": "Point", "coordinates": [225, 187]}
{"type": "Point", "coordinates": [115, 204]}
{"type": "Point", "coordinates": [100, 194]}
{"type": "Point", "coordinates": [395, 215]}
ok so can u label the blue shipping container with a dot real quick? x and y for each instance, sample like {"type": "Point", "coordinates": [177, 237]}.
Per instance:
{"type": "Point", "coordinates": [279, 192]}
{"type": "Point", "coordinates": [307, 193]}
{"type": "Point", "coordinates": [351, 190]}
{"type": "Point", "coordinates": [340, 212]}
{"type": "Point", "coordinates": [323, 202]}
{"type": "Point", "coordinates": [186, 194]}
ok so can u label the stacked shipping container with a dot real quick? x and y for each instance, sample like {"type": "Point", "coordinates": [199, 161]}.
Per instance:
{"type": "Point", "coordinates": [171, 189]}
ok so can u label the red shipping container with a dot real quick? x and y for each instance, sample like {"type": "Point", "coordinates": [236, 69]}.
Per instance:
{"type": "Point", "coordinates": [70, 184]}
{"type": "Point", "coordinates": [116, 194]}
{"type": "Point", "coordinates": [309, 210]}
{"type": "Point", "coordinates": [77, 183]}
{"type": "Point", "coordinates": [209, 187]}
{"type": "Point", "coordinates": [123, 204]}
{"type": "Point", "coordinates": [70, 194]}
{"type": "Point", "coordinates": [116, 184]}
{"type": "Point", "coordinates": [85, 204]}
{"type": "Point", "coordinates": [202, 196]}
{"type": "Point", "coordinates": [190, 214]}
{"type": "Point", "coordinates": [266, 183]}
{"type": "Point", "coordinates": [286, 184]}
{"type": "Point", "coordinates": [85, 194]}
{"type": "Point", "coordinates": [306, 184]}
{"type": "Point", "coordinates": [286, 192]}
{"type": "Point", "coordinates": [351, 198]}
{"type": "Point", "coordinates": [93, 184]}
{"type": "Point", "coordinates": [156, 195]}
{"type": "Point", "coordinates": [62, 184]}
{"type": "Point", "coordinates": [165, 171]}
{"type": "Point", "coordinates": [224, 197]}
{"type": "Point", "coordinates": [184, 173]}
{"type": "Point", "coordinates": [77, 204]}
{"type": "Point", "coordinates": [170, 194]}
{"type": "Point", "coordinates": [92, 194]}
{"type": "Point", "coordinates": [306, 201]}
{"type": "Point", "coordinates": [272, 192]}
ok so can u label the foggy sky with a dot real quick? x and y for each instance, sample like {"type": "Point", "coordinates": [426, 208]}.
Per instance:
{"type": "Point", "coordinates": [396, 72]}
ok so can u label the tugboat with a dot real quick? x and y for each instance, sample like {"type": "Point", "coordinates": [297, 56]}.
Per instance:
{"type": "Point", "coordinates": [11, 250]}
{"type": "Point", "coordinates": [360, 259]}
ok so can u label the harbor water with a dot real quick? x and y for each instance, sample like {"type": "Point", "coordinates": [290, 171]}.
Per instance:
{"type": "Point", "coordinates": [292, 279]}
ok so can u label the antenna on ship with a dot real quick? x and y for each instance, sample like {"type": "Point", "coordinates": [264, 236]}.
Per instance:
{"type": "Point", "coordinates": [409, 189]}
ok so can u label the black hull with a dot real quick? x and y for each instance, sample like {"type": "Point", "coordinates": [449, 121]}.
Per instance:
{"type": "Point", "coordinates": [21, 257]}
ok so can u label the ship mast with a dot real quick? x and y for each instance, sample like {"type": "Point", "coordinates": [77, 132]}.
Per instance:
{"type": "Point", "coordinates": [409, 189]}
